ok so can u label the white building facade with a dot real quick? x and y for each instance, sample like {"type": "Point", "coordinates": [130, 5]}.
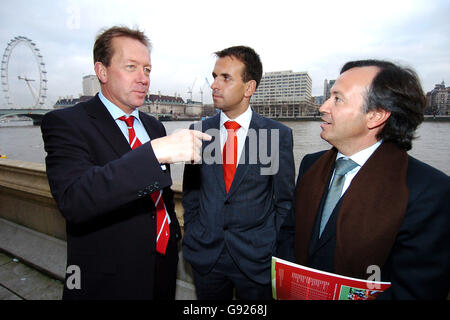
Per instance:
{"type": "Point", "coordinates": [284, 94]}
{"type": "Point", "coordinates": [283, 87]}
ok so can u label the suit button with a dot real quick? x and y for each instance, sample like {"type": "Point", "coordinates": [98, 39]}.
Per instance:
{"type": "Point", "coordinates": [227, 202]}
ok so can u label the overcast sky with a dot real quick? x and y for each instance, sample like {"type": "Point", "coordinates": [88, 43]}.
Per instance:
{"type": "Point", "coordinates": [313, 36]}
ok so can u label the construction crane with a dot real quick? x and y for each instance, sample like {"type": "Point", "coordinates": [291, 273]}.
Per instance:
{"type": "Point", "coordinates": [191, 88]}
{"type": "Point", "coordinates": [201, 89]}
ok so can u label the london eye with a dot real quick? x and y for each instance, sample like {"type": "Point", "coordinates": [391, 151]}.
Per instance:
{"type": "Point", "coordinates": [39, 91]}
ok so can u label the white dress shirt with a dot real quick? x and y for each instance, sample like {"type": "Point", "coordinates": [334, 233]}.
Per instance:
{"type": "Point", "coordinates": [360, 158]}
{"type": "Point", "coordinates": [241, 134]}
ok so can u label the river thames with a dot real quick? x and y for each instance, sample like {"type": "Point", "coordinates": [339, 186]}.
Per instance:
{"type": "Point", "coordinates": [20, 140]}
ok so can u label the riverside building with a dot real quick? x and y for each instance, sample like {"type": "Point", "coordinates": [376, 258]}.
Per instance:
{"type": "Point", "coordinates": [284, 94]}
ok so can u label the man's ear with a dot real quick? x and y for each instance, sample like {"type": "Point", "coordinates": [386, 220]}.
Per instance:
{"type": "Point", "coordinates": [100, 71]}
{"type": "Point", "coordinates": [250, 88]}
{"type": "Point", "coordinates": [377, 117]}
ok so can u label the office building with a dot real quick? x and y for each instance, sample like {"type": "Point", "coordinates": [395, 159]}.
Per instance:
{"type": "Point", "coordinates": [326, 89]}
{"type": "Point", "coordinates": [283, 87]}
{"type": "Point", "coordinates": [438, 100]}
{"type": "Point", "coordinates": [284, 94]}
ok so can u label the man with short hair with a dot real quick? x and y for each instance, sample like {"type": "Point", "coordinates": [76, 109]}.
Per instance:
{"type": "Point", "coordinates": [108, 170]}
{"type": "Point", "coordinates": [235, 200]}
{"type": "Point", "coordinates": [365, 202]}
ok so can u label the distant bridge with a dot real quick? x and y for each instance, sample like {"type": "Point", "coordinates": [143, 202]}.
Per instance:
{"type": "Point", "coordinates": [35, 114]}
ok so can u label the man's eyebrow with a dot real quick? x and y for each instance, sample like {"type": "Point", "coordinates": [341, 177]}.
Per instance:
{"type": "Point", "coordinates": [336, 92]}
{"type": "Point", "coordinates": [225, 75]}
{"type": "Point", "coordinates": [131, 60]}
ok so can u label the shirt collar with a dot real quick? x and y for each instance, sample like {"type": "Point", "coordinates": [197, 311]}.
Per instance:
{"type": "Point", "coordinates": [243, 119]}
{"type": "Point", "coordinates": [361, 156]}
{"type": "Point", "coordinates": [114, 110]}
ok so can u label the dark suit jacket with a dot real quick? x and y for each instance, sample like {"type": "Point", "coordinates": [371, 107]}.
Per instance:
{"type": "Point", "coordinates": [102, 189]}
{"type": "Point", "coordinates": [248, 218]}
{"type": "Point", "coordinates": [419, 262]}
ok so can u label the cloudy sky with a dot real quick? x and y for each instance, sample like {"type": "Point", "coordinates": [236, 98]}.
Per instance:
{"type": "Point", "coordinates": [314, 36]}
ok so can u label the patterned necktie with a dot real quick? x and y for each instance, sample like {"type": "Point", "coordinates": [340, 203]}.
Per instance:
{"type": "Point", "coordinates": [162, 222]}
{"type": "Point", "coordinates": [343, 166]}
{"type": "Point", "coordinates": [229, 154]}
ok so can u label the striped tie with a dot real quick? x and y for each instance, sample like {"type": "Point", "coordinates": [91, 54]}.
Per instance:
{"type": "Point", "coordinates": [162, 217]}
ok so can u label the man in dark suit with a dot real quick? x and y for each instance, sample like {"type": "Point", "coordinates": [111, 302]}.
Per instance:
{"type": "Point", "coordinates": [390, 216]}
{"type": "Point", "coordinates": [233, 214]}
{"type": "Point", "coordinates": [104, 172]}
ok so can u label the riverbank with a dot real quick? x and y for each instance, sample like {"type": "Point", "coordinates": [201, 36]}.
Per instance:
{"type": "Point", "coordinates": [438, 118]}
{"type": "Point", "coordinates": [427, 118]}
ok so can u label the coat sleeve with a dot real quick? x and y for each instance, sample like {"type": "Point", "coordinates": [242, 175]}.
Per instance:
{"type": "Point", "coordinates": [284, 196]}
{"type": "Point", "coordinates": [419, 263]}
{"type": "Point", "coordinates": [287, 233]}
{"type": "Point", "coordinates": [83, 189]}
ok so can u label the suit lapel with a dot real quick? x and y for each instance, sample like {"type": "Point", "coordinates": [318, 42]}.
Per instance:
{"type": "Point", "coordinates": [152, 133]}
{"type": "Point", "coordinates": [214, 146]}
{"type": "Point", "coordinates": [107, 126]}
{"type": "Point", "coordinates": [310, 190]}
{"type": "Point", "coordinates": [330, 229]}
{"type": "Point", "coordinates": [242, 168]}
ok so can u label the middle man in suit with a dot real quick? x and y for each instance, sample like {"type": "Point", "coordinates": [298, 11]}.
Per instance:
{"type": "Point", "coordinates": [236, 200]}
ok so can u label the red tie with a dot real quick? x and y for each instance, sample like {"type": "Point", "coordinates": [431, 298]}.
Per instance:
{"type": "Point", "coordinates": [162, 222]}
{"type": "Point", "coordinates": [229, 154]}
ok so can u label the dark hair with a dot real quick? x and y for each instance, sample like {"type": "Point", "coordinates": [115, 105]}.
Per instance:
{"type": "Point", "coordinates": [253, 67]}
{"type": "Point", "coordinates": [398, 90]}
{"type": "Point", "coordinates": [103, 50]}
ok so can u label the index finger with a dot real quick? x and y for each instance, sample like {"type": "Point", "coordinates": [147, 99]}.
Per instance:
{"type": "Point", "coordinates": [201, 135]}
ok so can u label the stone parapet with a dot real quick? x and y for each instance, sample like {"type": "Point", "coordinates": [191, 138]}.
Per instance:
{"type": "Point", "coordinates": [25, 198]}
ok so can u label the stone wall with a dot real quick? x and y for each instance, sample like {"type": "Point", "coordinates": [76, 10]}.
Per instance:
{"type": "Point", "coordinates": [25, 198]}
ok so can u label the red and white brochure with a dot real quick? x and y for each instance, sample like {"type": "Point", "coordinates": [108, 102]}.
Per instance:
{"type": "Point", "coordinates": [292, 281]}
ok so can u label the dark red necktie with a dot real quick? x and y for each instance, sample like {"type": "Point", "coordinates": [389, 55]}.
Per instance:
{"type": "Point", "coordinates": [229, 154]}
{"type": "Point", "coordinates": [162, 222]}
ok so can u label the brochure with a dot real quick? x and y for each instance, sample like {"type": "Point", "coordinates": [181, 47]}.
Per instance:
{"type": "Point", "coordinates": [292, 281]}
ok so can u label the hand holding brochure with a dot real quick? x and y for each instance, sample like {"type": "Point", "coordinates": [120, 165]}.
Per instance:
{"type": "Point", "coordinates": [292, 281]}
